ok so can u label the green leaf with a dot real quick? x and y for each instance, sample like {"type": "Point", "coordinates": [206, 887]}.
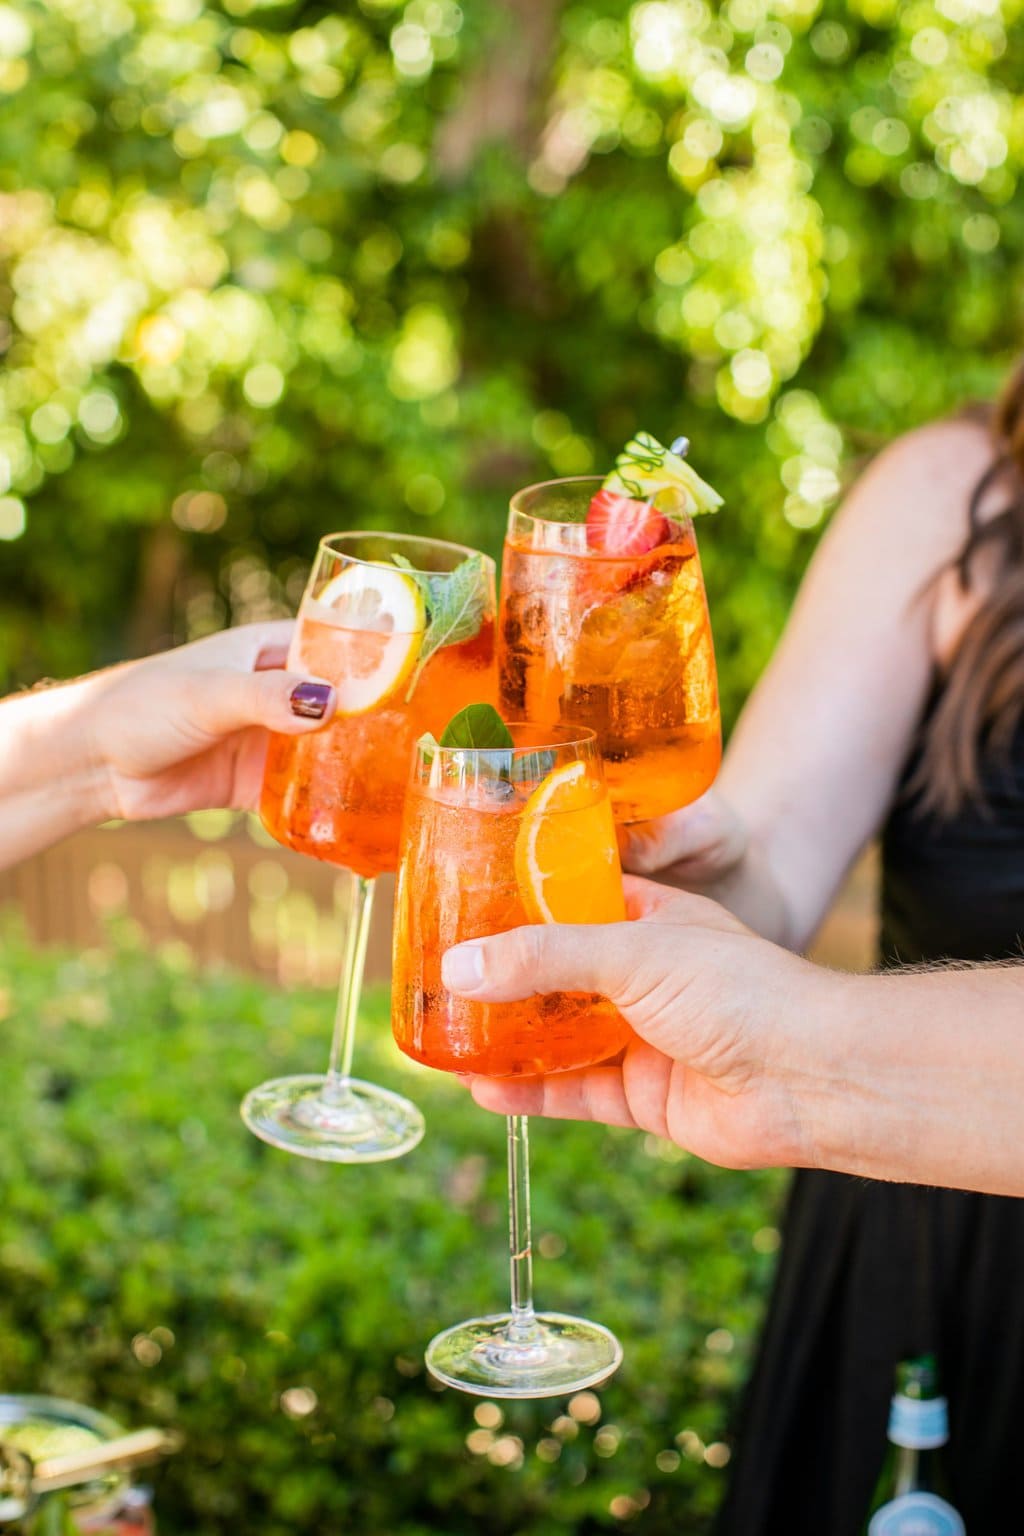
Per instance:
{"type": "Point", "coordinates": [421, 579]}
{"type": "Point", "coordinates": [478, 728]}
{"type": "Point", "coordinates": [456, 603]}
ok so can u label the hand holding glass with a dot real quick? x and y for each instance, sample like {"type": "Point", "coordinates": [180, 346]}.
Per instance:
{"type": "Point", "coordinates": [494, 839]}
{"type": "Point", "coordinates": [404, 629]}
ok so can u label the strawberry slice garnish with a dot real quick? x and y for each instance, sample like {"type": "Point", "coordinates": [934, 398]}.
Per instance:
{"type": "Point", "coordinates": [618, 525]}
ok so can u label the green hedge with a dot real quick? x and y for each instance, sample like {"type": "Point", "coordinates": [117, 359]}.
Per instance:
{"type": "Point", "coordinates": [158, 1262]}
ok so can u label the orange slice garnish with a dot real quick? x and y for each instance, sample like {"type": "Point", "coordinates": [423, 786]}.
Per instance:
{"type": "Point", "coordinates": [566, 855]}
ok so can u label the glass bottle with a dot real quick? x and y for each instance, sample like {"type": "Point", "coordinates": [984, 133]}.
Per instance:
{"type": "Point", "coordinates": [912, 1496]}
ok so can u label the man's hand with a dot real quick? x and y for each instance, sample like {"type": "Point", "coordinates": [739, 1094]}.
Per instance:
{"type": "Point", "coordinates": [710, 1068]}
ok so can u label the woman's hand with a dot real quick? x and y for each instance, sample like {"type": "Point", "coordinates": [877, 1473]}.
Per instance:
{"type": "Point", "coordinates": [707, 848]}
{"type": "Point", "coordinates": [170, 733]}
{"type": "Point", "coordinates": [188, 729]}
{"type": "Point", "coordinates": [690, 848]}
{"type": "Point", "coordinates": [710, 1069]}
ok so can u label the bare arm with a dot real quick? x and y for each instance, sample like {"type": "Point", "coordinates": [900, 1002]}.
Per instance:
{"type": "Point", "coordinates": [51, 782]}
{"type": "Point", "coordinates": [814, 761]}
{"type": "Point", "coordinates": [925, 1079]}
{"type": "Point", "coordinates": [751, 1057]}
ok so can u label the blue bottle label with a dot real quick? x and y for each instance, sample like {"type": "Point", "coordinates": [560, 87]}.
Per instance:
{"type": "Point", "coordinates": [918, 1425]}
{"type": "Point", "coordinates": [917, 1514]}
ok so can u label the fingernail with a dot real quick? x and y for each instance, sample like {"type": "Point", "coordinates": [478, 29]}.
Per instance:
{"type": "Point", "coordinates": [310, 700]}
{"type": "Point", "coordinates": [462, 968]}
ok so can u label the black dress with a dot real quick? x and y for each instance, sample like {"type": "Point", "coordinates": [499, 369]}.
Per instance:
{"type": "Point", "coordinates": [870, 1273]}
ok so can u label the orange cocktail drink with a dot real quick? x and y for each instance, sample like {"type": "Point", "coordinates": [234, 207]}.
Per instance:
{"type": "Point", "coordinates": [493, 840]}
{"type": "Point", "coordinates": [403, 628]}
{"type": "Point", "coordinates": [337, 794]}
{"type": "Point", "coordinates": [610, 630]}
{"type": "Point", "coordinates": [518, 831]}
{"type": "Point", "coordinates": [511, 829]}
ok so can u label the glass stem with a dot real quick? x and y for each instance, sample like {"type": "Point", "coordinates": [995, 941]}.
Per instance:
{"type": "Point", "coordinates": [523, 1322]}
{"type": "Point", "coordinates": [339, 1068]}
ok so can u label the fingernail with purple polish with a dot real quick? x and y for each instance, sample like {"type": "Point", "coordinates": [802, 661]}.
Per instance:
{"type": "Point", "coordinates": [310, 700]}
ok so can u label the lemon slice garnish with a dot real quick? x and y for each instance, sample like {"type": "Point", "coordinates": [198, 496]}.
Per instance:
{"type": "Point", "coordinates": [566, 854]}
{"type": "Point", "coordinates": [378, 618]}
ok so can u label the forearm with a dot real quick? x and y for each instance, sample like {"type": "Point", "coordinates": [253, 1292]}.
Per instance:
{"type": "Point", "coordinates": [920, 1077]}
{"type": "Point", "coordinates": [797, 850]}
{"type": "Point", "coordinates": [52, 779]}
{"type": "Point", "coordinates": [710, 849]}
{"type": "Point", "coordinates": [751, 892]}
{"type": "Point", "coordinates": [814, 760]}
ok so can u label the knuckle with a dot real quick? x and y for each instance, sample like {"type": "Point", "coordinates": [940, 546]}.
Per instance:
{"type": "Point", "coordinates": [528, 950]}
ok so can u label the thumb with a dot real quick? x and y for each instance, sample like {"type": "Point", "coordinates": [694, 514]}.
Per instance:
{"type": "Point", "coordinates": [678, 984]}
{"type": "Point", "coordinates": [557, 957]}
{"type": "Point", "coordinates": [220, 701]}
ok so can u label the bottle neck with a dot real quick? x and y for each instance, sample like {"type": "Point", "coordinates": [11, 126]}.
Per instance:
{"type": "Point", "coordinates": [907, 1472]}
{"type": "Point", "coordinates": [918, 1424]}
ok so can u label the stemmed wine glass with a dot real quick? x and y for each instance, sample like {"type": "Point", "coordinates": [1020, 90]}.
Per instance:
{"type": "Point", "coordinates": [492, 839]}
{"type": "Point", "coordinates": [403, 627]}
{"type": "Point", "coordinates": [613, 635]}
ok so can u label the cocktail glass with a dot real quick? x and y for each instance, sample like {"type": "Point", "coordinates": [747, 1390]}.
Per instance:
{"type": "Point", "coordinates": [337, 794]}
{"type": "Point", "coordinates": [106, 1505]}
{"type": "Point", "coordinates": [619, 643]}
{"type": "Point", "coordinates": [492, 840]}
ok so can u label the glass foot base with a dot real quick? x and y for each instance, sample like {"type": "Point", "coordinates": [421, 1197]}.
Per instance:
{"type": "Point", "coordinates": [556, 1355]}
{"type": "Point", "coordinates": [360, 1124]}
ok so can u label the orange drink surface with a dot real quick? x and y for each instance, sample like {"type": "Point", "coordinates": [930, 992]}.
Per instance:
{"type": "Point", "coordinates": [619, 643]}
{"type": "Point", "coordinates": [483, 853]}
{"type": "Point", "coordinates": [337, 793]}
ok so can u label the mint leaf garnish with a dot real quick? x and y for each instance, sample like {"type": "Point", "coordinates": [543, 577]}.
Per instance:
{"type": "Point", "coordinates": [456, 603]}
{"type": "Point", "coordinates": [478, 728]}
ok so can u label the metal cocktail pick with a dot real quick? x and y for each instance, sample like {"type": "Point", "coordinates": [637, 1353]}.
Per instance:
{"type": "Point", "coordinates": [23, 1481]}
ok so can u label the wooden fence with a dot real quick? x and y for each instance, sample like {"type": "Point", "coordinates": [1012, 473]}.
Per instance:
{"type": "Point", "coordinates": [218, 884]}
{"type": "Point", "coordinates": [213, 881]}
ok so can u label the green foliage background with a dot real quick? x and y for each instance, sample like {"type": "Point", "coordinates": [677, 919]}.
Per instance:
{"type": "Point", "coordinates": [268, 269]}
{"type": "Point", "coordinates": [271, 269]}
{"type": "Point", "coordinates": [158, 1261]}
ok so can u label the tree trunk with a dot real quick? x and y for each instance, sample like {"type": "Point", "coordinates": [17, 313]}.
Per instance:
{"type": "Point", "coordinates": [503, 98]}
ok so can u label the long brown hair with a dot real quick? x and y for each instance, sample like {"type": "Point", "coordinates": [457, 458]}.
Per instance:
{"type": "Point", "coordinates": [982, 702]}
